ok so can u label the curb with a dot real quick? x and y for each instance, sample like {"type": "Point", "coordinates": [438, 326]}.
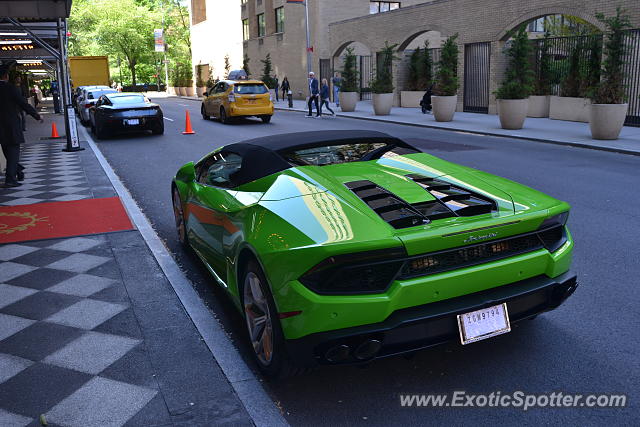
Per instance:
{"type": "Point", "coordinates": [484, 133]}
{"type": "Point", "coordinates": [248, 387]}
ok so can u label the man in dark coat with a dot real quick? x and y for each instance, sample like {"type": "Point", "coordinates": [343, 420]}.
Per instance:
{"type": "Point", "coordinates": [11, 103]}
{"type": "Point", "coordinates": [314, 92]}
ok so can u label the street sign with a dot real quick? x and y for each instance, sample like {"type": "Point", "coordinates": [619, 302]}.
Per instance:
{"type": "Point", "coordinates": [158, 38]}
{"type": "Point", "coordinates": [73, 130]}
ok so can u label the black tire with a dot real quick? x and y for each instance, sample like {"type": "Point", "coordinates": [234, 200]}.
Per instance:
{"type": "Point", "coordinates": [205, 116]}
{"type": "Point", "coordinates": [279, 365]}
{"type": "Point", "coordinates": [158, 129]}
{"type": "Point", "coordinates": [178, 213]}
{"type": "Point", "coordinates": [223, 116]}
{"type": "Point", "coordinates": [99, 131]}
{"type": "Point", "coordinates": [265, 119]}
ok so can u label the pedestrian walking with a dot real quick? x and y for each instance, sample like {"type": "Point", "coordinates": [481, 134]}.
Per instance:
{"type": "Point", "coordinates": [425, 103]}
{"type": "Point", "coordinates": [11, 136]}
{"type": "Point", "coordinates": [276, 87]}
{"type": "Point", "coordinates": [285, 87]}
{"type": "Point", "coordinates": [337, 84]}
{"type": "Point", "coordinates": [324, 97]}
{"type": "Point", "coordinates": [314, 91]}
{"type": "Point", "coordinates": [25, 94]}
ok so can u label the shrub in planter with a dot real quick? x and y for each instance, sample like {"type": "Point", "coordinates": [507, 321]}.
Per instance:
{"type": "Point", "coordinates": [245, 65]}
{"type": "Point", "coordinates": [350, 82]}
{"type": "Point", "coordinates": [201, 85]}
{"type": "Point", "coordinates": [419, 78]}
{"type": "Point", "coordinates": [609, 110]}
{"type": "Point", "coordinates": [539, 101]}
{"type": "Point", "coordinates": [518, 82]}
{"type": "Point", "coordinates": [445, 85]}
{"type": "Point", "coordinates": [267, 68]}
{"type": "Point", "coordinates": [382, 85]}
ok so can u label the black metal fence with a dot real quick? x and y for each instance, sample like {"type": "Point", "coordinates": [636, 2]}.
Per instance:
{"type": "Point", "coordinates": [365, 71]}
{"type": "Point", "coordinates": [571, 70]}
{"type": "Point", "coordinates": [632, 77]}
{"type": "Point", "coordinates": [476, 77]}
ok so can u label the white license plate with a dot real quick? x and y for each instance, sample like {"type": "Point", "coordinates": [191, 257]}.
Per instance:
{"type": "Point", "coordinates": [482, 324]}
{"type": "Point", "coordinates": [132, 122]}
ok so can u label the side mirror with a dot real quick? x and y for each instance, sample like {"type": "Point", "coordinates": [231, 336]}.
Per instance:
{"type": "Point", "coordinates": [187, 173]}
{"type": "Point", "coordinates": [205, 93]}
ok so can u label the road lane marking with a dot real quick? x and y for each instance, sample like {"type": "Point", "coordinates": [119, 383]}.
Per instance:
{"type": "Point", "coordinates": [184, 105]}
{"type": "Point", "coordinates": [167, 118]}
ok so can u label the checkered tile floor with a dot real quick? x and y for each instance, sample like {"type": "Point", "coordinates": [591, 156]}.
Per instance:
{"type": "Point", "coordinates": [70, 345]}
{"type": "Point", "coordinates": [51, 176]}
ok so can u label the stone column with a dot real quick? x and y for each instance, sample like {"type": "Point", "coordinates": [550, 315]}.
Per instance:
{"type": "Point", "coordinates": [497, 67]}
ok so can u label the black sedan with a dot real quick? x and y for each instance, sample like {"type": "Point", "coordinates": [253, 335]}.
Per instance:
{"type": "Point", "coordinates": [125, 112]}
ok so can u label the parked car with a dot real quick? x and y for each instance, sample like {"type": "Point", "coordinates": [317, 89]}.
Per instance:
{"type": "Point", "coordinates": [243, 98]}
{"type": "Point", "coordinates": [345, 246]}
{"type": "Point", "coordinates": [79, 93]}
{"type": "Point", "coordinates": [88, 100]}
{"type": "Point", "coordinates": [125, 112]}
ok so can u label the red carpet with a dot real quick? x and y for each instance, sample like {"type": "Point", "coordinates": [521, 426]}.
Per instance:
{"type": "Point", "coordinates": [62, 219]}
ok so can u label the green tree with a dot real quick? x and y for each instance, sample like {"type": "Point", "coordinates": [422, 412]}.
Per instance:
{"type": "Point", "coordinates": [413, 79]}
{"type": "Point", "coordinates": [610, 90]}
{"type": "Point", "coordinates": [426, 74]}
{"type": "Point", "coordinates": [518, 81]}
{"type": "Point", "coordinates": [267, 68]}
{"type": "Point", "coordinates": [245, 65]}
{"type": "Point", "coordinates": [350, 74]}
{"type": "Point", "coordinates": [446, 81]}
{"type": "Point", "coordinates": [383, 82]}
{"type": "Point", "coordinates": [227, 66]}
{"type": "Point", "coordinates": [543, 83]}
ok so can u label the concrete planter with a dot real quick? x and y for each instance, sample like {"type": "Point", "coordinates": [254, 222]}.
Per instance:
{"type": "Point", "coordinates": [348, 101]}
{"type": "Point", "coordinates": [382, 103]}
{"type": "Point", "coordinates": [512, 112]}
{"type": "Point", "coordinates": [189, 91]}
{"type": "Point", "coordinates": [606, 120]}
{"type": "Point", "coordinates": [200, 91]}
{"type": "Point", "coordinates": [411, 98]}
{"type": "Point", "coordinates": [181, 91]}
{"type": "Point", "coordinates": [539, 106]}
{"type": "Point", "coordinates": [171, 90]}
{"type": "Point", "coordinates": [444, 107]}
{"type": "Point", "coordinates": [569, 108]}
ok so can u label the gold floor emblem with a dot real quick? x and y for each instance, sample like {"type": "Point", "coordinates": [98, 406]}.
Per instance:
{"type": "Point", "coordinates": [18, 221]}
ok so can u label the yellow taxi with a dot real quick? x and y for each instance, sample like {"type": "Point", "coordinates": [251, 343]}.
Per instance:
{"type": "Point", "coordinates": [237, 98]}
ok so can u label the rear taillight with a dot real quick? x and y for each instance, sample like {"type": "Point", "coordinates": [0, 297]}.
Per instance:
{"type": "Point", "coordinates": [360, 273]}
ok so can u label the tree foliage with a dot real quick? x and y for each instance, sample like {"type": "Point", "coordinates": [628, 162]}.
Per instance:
{"type": "Point", "coordinates": [123, 30]}
{"type": "Point", "coordinates": [446, 81]}
{"type": "Point", "coordinates": [383, 82]}
{"type": "Point", "coordinates": [350, 74]}
{"type": "Point", "coordinates": [420, 68]}
{"type": "Point", "coordinates": [267, 68]}
{"type": "Point", "coordinates": [544, 85]}
{"type": "Point", "coordinates": [610, 90]}
{"type": "Point", "coordinates": [245, 65]}
{"type": "Point", "coordinates": [519, 77]}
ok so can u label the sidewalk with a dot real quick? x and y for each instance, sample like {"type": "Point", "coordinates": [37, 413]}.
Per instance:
{"type": "Point", "coordinates": [542, 130]}
{"type": "Point", "coordinates": [92, 332]}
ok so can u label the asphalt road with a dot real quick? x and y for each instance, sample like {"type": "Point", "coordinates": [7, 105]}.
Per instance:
{"type": "Point", "coordinates": [589, 345]}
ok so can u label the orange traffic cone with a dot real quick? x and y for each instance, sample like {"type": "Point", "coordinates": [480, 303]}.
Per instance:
{"type": "Point", "coordinates": [54, 131]}
{"type": "Point", "coordinates": [187, 129]}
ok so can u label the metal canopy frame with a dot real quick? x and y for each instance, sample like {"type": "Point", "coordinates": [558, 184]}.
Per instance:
{"type": "Point", "coordinates": [45, 24]}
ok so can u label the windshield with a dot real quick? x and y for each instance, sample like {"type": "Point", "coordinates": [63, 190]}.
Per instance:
{"type": "Point", "coordinates": [128, 99]}
{"type": "Point", "coordinates": [250, 89]}
{"type": "Point", "coordinates": [98, 93]}
{"type": "Point", "coordinates": [333, 154]}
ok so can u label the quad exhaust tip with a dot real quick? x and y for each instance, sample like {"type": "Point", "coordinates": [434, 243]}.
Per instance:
{"type": "Point", "coordinates": [367, 349]}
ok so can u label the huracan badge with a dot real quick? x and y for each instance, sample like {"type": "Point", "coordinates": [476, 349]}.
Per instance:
{"type": "Point", "coordinates": [482, 237]}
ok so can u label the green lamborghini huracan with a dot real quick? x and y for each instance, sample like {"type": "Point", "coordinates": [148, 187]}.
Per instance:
{"type": "Point", "coordinates": [346, 246]}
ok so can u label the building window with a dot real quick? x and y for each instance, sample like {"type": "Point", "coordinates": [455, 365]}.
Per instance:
{"type": "Point", "coordinates": [383, 6]}
{"type": "Point", "coordinates": [261, 26]}
{"type": "Point", "coordinates": [243, 2]}
{"type": "Point", "coordinates": [280, 20]}
{"type": "Point", "coordinates": [245, 29]}
{"type": "Point", "coordinates": [198, 11]}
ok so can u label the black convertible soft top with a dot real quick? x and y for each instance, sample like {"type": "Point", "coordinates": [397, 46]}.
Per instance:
{"type": "Point", "coordinates": [263, 156]}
